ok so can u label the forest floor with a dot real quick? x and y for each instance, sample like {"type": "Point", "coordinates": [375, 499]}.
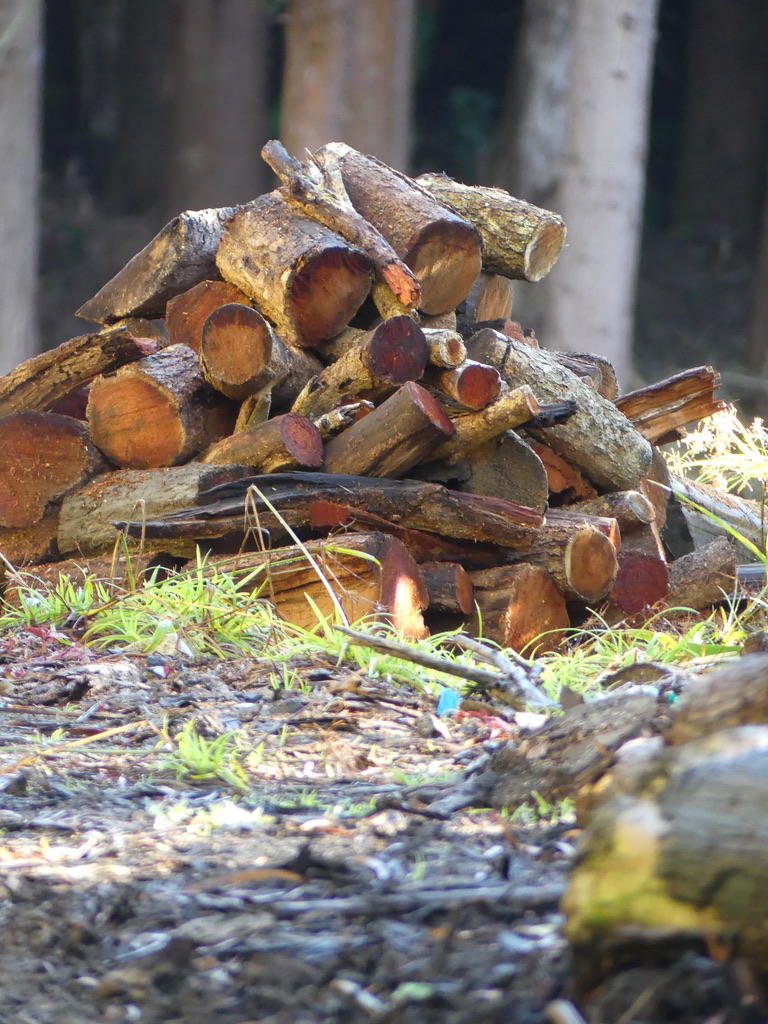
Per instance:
{"type": "Point", "coordinates": [313, 873]}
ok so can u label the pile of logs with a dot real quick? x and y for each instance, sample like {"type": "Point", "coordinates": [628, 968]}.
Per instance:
{"type": "Point", "coordinates": [336, 359]}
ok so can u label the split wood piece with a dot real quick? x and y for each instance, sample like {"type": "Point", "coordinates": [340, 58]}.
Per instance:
{"type": "Point", "coordinates": [178, 257]}
{"type": "Point", "coordinates": [240, 355]}
{"type": "Point", "coordinates": [494, 297]}
{"type": "Point", "coordinates": [446, 347]}
{"type": "Point", "coordinates": [662, 408]}
{"type": "Point", "coordinates": [159, 411]}
{"type": "Point", "coordinates": [39, 382]}
{"type": "Point", "coordinates": [442, 249]}
{"type": "Point", "coordinates": [642, 581]}
{"type": "Point", "coordinates": [683, 857]}
{"type": "Point", "coordinates": [185, 314]}
{"type": "Point", "coordinates": [580, 559]}
{"type": "Point", "coordinates": [393, 353]}
{"type": "Point", "coordinates": [382, 582]}
{"type": "Point", "coordinates": [319, 192]}
{"type": "Point", "coordinates": [656, 488]}
{"type": "Point", "coordinates": [644, 540]}
{"type": "Point", "coordinates": [397, 435]}
{"type": "Point", "coordinates": [745, 515]}
{"type": "Point", "coordinates": [704, 577]}
{"type": "Point", "coordinates": [506, 467]}
{"type": "Point", "coordinates": [449, 587]}
{"type": "Point", "coordinates": [519, 607]}
{"type": "Point", "coordinates": [630, 509]}
{"type": "Point", "coordinates": [597, 439]}
{"type": "Point", "coordinates": [473, 429]}
{"type": "Point", "coordinates": [520, 240]}
{"type": "Point", "coordinates": [112, 571]}
{"type": "Point", "coordinates": [319, 499]}
{"type": "Point", "coordinates": [595, 370]}
{"type": "Point", "coordinates": [571, 750]}
{"type": "Point", "coordinates": [307, 280]}
{"type": "Point", "coordinates": [473, 385]}
{"type": "Point", "coordinates": [86, 520]}
{"type": "Point", "coordinates": [563, 479]}
{"type": "Point", "coordinates": [282, 442]}
{"type": "Point", "coordinates": [30, 545]}
{"type": "Point", "coordinates": [43, 456]}
{"type": "Point", "coordinates": [568, 517]}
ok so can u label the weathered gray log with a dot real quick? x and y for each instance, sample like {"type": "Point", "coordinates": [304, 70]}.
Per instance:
{"type": "Point", "coordinates": [178, 257]}
{"type": "Point", "coordinates": [745, 516]}
{"type": "Point", "coordinates": [597, 438]}
{"type": "Point", "coordinates": [704, 577]}
{"type": "Point", "coordinates": [506, 467]}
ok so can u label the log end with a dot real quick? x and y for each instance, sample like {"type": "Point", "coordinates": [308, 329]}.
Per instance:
{"type": "Point", "coordinates": [446, 259]}
{"type": "Point", "coordinates": [543, 249]}
{"type": "Point", "coordinates": [326, 291]}
{"type": "Point", "coordinates": [590, 564]}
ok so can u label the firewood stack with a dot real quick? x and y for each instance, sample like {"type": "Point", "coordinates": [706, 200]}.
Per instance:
{"type": "Point", "coordinates": [337, 358]}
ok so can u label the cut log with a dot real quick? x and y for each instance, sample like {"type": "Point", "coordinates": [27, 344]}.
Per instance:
{"type": "Point", "coordinates": [185, 314]}
{"type": "Point", "coordinates": [446, 347]}
{"type": "Point", "coordinates": [519, 607]}
{"type": "Point", "coordinates": [86, 521]}
{"type": "Point", "coordinates": [568, 517]}
{"type": "Point", "coordinates": [595, 370]}
{"type": "Point", "coordinates": [442, 250]}
{"type": "Point", "coordinates": [240, 355]}
{"type": "Point", "coordinates": [473, 429]}
{"type": "Point", "coordinates": [449, 587]}
{"type": "Point", "coordinates": [319, 192]}
{"type": "Point", "coordinates": [382, 582]}
{"type": "Point", "coordinates": [43, 456]}
{"type": "Point", "coordinates": [320, 499]}
{"type": "Point", "coordinates": [180, 256]}
{"type": "Point", "coordinates": [282, 442]}
{"type": "Point", "coordinates": [392, 354]}
{"type": "Point", "coordinates": [506, 467]}
{"type": "Point", "coordinates": [563, 479]}
{"type": "Point", "coordinates": [520, 240]}
{"type": "Point", "coordinates": [396, 436]}
{"type": "Point", "coordinates": [39, 382]}
{"type": "Point", "coordinates": [308, 281]}
{"type": "Point", "coordinates": [31, 545]}
{"type": "Point", "coordinates": [630, 509]}
{"type": "Point", "coordinates": [438, 322]}
{"type": "Point", "coordinates": [580, 559]}
{"type": "Point", "coordinates": [473, 385]}
{"type": "Point", "coordinates": [597, 439]}
{"type": "Point", "coordinates": [658, 410]}
{"type": "Point", "coordinates": [159, 411]}
{"type": "Point", "coordinates": [642, 581]}
{"type": "Point", "coordinates": [745, 516]}
{"type": "Point", "coordinates": [704, 577]}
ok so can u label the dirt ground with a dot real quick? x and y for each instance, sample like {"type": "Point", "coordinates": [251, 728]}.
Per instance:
{"type": "Point", "coordinates": [334, 887]}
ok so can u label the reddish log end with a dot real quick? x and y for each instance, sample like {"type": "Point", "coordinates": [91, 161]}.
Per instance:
{"type": "Point", "coordinates": [641, 581]}
{"type": "Point", "coordinates": [185, 314]}
{"type": "Point", "coordinates": [397, 351]}
{"type": "Point", "coordinates": [302, 439]}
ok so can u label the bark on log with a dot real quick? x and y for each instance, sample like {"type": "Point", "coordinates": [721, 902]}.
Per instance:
{"type": "Point", "coordinates": [449, 588]}
{"type": "Point", "coordinates": [519, 240]}
{"type": "Point", "coordinates": [568, 517]}
{"type": "Point", "coordinates": [734, 694]}
{"type": "Point", "coordinates": [43, 456]}
{"type": "Point", "coordinates": [159, 411]}
{"type": "Point", "coordinates": [392, 354]}
{"type": "Point", "coordinates": [319, 499]}
{"type": "Point", "coordinates": [180, 256]}
{"type": "Point", "coordinates": [308, 281]}
{"type": "Point", "coordinates": [473, 429]}
{"type": "Point", "coordinates": [704, 577]}
{"type": "Point", "coordinates": [746, 516]}
{"type": "Point", "coordinates": [473, 385]}
{"type": "Point", "coordinates": [519, 607]}
{"type": "Point", "coordinates": [86, 521]}
{"type": "Point", "coordinates": [39, 382]}
{"type": "Point", "coordinates": [658, 410]}
{"type": "Point", "coordinates": [580, 559]}
{"type": "Point", "coordinates": [506, 467]}
{"type": "Point", "coordinates": [31, 545]}
{"type": "Point", "coordinates": [597, 439]}
{"type": "Point", "coordinates": [283, 442]}
{"type": "Point", "coordinates": [630, 509]}
{"type": "Point", "coordinates": [185, 314]}
{"type": "Point", "coordinates": [319, 192]}
{"type": "Point", "coordinates": [240, 355]}
{"type": "Point", "coordinates": [441, 249]}
{"type": "Point", "coordinates": [595, 370]}
{"type": "Point", "coordinates": [396, 436]}
{"type": "Point", "coordinates": [382, 582]}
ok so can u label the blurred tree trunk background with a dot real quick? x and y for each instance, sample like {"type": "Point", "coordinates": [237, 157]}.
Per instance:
{"type": "Point", "coordinates": [21, 63]}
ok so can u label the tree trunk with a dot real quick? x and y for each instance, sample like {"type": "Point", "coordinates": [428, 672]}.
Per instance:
{"type": "Point", "coordinates": [219, 103]}
{"type": "Point", "coordinates": [348, 76]}
{"type": "Point", "coordinates": [601, 193]}
{"type": "Point", "coordinates": [20, 85]}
